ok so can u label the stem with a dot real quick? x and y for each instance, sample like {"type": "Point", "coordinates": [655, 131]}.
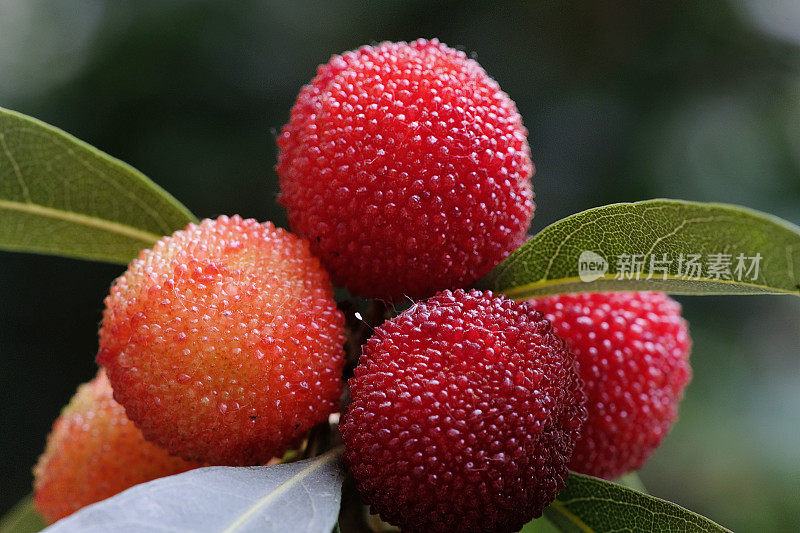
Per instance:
{"type": "Point", "coordinates": [359, 328]}
{"type": "Point", "coordinates": [319, 439]}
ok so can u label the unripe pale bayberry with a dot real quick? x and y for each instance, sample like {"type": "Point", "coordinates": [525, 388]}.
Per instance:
{"type": "Point", "coordinates": [407, 168]}
{"type": "Point", "coordinates": [224, 342]}
{"type": "Point", "coordinates": [465, 409]}
{"type": "Point", "coordinates": [633, 354]}
{"type": "Point", "coordinates": [94, 452]}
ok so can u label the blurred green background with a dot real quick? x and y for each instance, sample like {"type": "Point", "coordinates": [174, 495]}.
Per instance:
{"type": "Point", "coordinates": [624, 101]}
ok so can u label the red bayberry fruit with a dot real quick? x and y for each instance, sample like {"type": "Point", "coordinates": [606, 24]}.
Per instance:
{"type": "Point", "coordinates": [633, 354]}
{"type": "Point", "coordinates": [94, 452]}
{"type": "Point", "coordinates": [407, 168]}
{"type": "Point", "coordinates": [465, 411]}
{"type": "Point", "coordinates": [224, 343]}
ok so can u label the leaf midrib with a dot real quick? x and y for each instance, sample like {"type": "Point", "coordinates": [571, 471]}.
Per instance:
{"type": "Point", "coordinates": [314, 465]}
{"type": "Point", "coordinates": [521, 292]}
{"type": "Point", "coordinates": [81, 219]}
{"type": "Point", "coordinates": [566, 513]}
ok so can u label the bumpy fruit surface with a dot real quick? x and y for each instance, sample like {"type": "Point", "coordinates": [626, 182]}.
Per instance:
{"type": "Point", "coordinates": [407, 168]}
{"type": "Point", "coordinates": [465, 411]}
{"type": "Point", "coordinates": [224, 343]}
{"type": "Point", "coordinates": [94, 452]}
{"type": "Point", "coordinates": [633, 354]}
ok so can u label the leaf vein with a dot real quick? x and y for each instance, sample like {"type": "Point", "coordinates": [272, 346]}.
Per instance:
{"type": "Point", "coordinates": [81, 219]}
{"type": "Point", "coordinates": [17, 171]}
{"type": "Point", "coordinates": [319, 462]}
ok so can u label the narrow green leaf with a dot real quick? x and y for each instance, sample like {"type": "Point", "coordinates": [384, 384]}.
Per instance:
{"type": "Point", "coordinates": [22, 518]}
{"type": "Point", "coordinates": [592, 505]}
{"type": "Point", "coordinates": [663, 245]}
{"type": "Point", "coordinates": [540, 525]}
{"type": "Point", "coordinates": [59, 195]}
{"type": "Point", "coordinates": [632, 481]}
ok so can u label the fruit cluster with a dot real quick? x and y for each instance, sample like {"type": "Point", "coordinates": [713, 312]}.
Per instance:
{"type": "Point", "coordinates": [406, 173]}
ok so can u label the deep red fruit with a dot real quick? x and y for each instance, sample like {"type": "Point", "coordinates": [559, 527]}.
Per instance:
{"type": "Point", "coordinates": [407, 168]}
{"type": "Point", "coordinates": [465, 411]}
{"type": "Point", "coordinates": [94, 452]}
{"type": "Point", "coordinates": [224, 343]}
{"type": "Point", "coordinates": [633, 354]}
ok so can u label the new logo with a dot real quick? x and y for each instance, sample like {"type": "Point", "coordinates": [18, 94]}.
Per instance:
{"type": "Point", "coordinates": [591, 266]}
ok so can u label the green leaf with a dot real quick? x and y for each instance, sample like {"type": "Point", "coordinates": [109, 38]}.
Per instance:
{"type": "Point", "coordinates": [592, 505]}
{"type": "Point", "coordinates": [540, 525]}
{"type": "Point", "coordinates": [22, 518]}
{"type": "Point", "coordinates": [738, 250]}
{"type": "Point", "coordinates": [59, 195]}
{"type": "Point", "coordinates": [632, 481]}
